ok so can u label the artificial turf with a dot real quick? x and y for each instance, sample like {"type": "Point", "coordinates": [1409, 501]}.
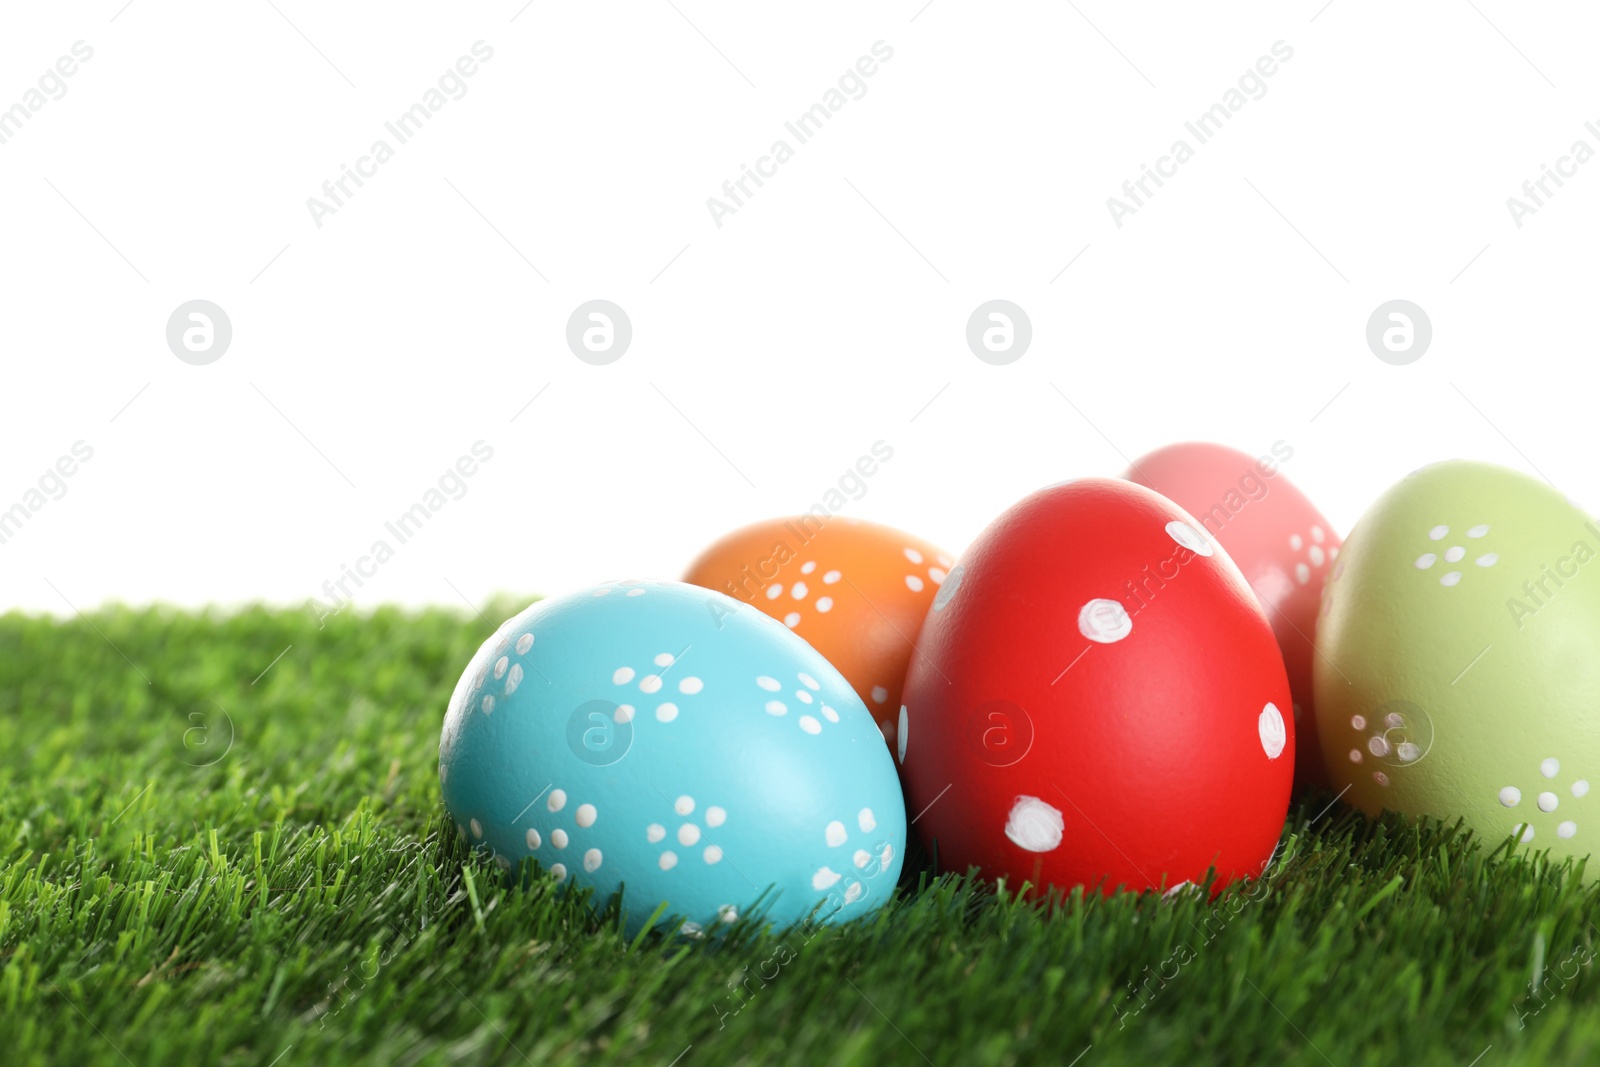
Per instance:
{"type": "Point", "coordinates": [204, 863]}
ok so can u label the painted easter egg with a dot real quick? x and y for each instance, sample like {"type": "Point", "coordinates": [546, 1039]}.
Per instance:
{"type": "Point", "coordinates": [856, 591]}
{"type": "Point", "coordinates": [1460, 676]}
{"type": "Point", "coordinates": [1280, 542]}
{"type": "Point", "coordinates": [668, 742]}
{"type": "Point", "coordinates": [1097, 700]}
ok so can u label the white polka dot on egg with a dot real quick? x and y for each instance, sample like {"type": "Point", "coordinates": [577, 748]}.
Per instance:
{"type": "Point", "coordinates": [1035, 825]}
{"type": "Point", "coordinates": [1104, 621]}
{"type": "Point", "coordinates": [1189, 538]}
{"type": "Point", "coordinates": [1274, 735]}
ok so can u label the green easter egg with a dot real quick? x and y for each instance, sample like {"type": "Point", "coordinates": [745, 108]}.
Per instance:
{"type": "Point", "coordinates": [1458, 672]}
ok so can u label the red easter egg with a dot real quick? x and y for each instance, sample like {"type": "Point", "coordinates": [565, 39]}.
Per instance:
{"type": "Point", "coordinates": [1281, 543]}
{"type": "Point", "coordinates": [1095, 701]}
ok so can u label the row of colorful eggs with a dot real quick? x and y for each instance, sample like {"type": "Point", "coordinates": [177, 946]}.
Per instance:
{"type": "Point", "coordinates": [1117, 685]}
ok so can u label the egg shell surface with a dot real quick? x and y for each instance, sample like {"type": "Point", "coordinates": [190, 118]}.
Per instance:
{"type": "Point", "coordinates": [1280, 542]}
{"type": "Point", "coordinates": [667, 737]}
{"type": "Point", "coordinates": [856, 591]}
{"type": "Point", "coordinates": [1460, 667]}
{"type": "Point", "coordinates": [1098, 701]}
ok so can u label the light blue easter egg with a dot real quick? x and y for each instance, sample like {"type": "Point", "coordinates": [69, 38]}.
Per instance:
{"type": "Point", "coordinates": [669, 742]}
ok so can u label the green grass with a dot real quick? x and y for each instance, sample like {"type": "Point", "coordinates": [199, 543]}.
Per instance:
{"type": "Point", "coordinates": [298, 899]}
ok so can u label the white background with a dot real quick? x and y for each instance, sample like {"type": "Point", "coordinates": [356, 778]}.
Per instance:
{"type": "Point", "coordinates": [824, 316]}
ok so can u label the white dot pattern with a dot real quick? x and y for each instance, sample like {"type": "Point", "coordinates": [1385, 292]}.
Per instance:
{"type": "Point", "coordinates": [1104, 621]}
{"type": "Point", "coordinates": [1274, 734]}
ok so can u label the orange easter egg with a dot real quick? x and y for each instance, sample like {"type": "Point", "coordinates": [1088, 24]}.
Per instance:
{"type": "Point", "coordinates": [855, 590]}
